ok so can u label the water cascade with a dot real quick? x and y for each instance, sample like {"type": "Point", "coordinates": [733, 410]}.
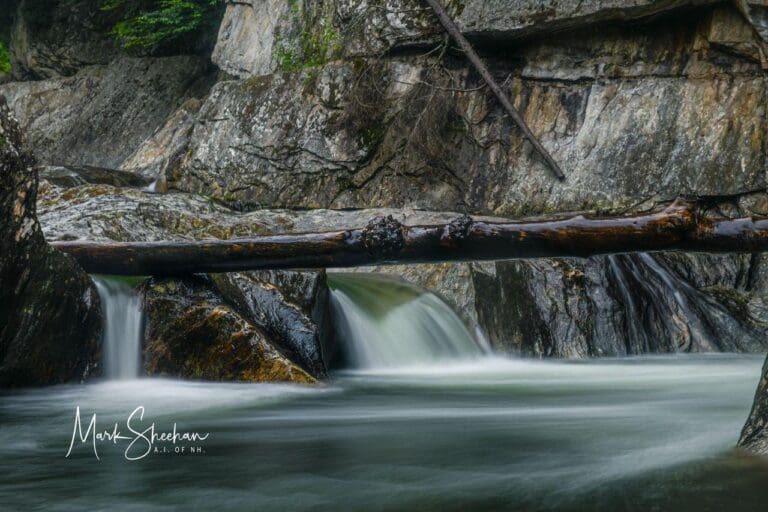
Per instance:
{"type": "Point", "coordinates": [385, 323]}
{"type": "Point", "coordinates": [123, 322]}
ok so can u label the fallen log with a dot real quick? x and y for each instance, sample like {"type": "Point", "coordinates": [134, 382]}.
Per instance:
{"type": "Point", "coordinates": [450, 27]}
{"type": "Point", "coordinates": [385, 240]}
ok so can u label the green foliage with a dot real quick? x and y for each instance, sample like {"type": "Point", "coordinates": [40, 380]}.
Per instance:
{"type": "Point", "coordinates": [312, 49]}
{"type": "Point", "coordinates": [5, 60]}
{"type": "Point", "coordinates": [150, 23]}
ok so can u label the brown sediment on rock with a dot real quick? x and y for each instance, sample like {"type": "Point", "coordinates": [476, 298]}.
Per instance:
{"type": "Point", "coordinates": [193, 334]}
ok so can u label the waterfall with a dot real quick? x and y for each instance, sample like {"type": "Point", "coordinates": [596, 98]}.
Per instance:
{"type": "Point", "coordinates": [123, 324]}
{"type": "Point", "coordinates": [383, 323]}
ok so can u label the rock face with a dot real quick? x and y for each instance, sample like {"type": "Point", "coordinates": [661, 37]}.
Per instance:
{"type": "Point", "coordinates": [649, 99]}
{"type": "Point", "coordinates": [355, 105]}
{"type": "Point", "coordinates": [756, 11]}
{"type": "Point", "coordinates": [57, 38]}
{"type": "Point", "coordinates": [101, 115]}
{"type": "Point", "coordinates": [50, 318]}
{"type": "Point", "coordinates": [504, 19]}
{"type": "Point", "coordinates": [248, 34]}
{"type": "Point", "coordinates": [192, 333]}
{"type": "Point", "coordinates": [623, 305]}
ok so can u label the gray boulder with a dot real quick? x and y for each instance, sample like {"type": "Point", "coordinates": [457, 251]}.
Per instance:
{"type": "Point", "coordinates": [191, 333]}
{"type": "Point", "coordinates": [290, 307]}
{"type": "Point", "coordinates": [50, 317]}
{"type": "Point", "coordinates": [754, 436]}
{"type": "Point", "coordinates": [101, 115]}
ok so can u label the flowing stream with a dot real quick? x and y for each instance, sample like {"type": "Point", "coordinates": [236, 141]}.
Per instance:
{"type": "Point", "coordinates": [432, 425]}
{"type": "Point", "coordinates": [123, 324]}
{"type": "Point", "coordinates": [385, 323]}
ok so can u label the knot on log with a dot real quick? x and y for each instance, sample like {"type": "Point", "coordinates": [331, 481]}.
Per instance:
{"type": "Point", "coordinates": [383, 236]}
{"type": "Point", "coordinates": [682, 214]}
{"type": "Point", "coordinates": [457, 230]}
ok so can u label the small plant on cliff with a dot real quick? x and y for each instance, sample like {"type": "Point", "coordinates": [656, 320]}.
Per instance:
{"type": "Point", "coordinates": [150, 23]}
{"type": "Point", "coordinates": [312, 46]}
{"type": "Point", "coordinates": [5, 60]}
{"type": "Point", "coordinates": [312, 49]}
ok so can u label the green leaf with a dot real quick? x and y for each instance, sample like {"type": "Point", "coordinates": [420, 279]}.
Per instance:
{"type": "Point", "coordinates": [149, 23]}
{"type": "Point", "coordinates": [5, 60]}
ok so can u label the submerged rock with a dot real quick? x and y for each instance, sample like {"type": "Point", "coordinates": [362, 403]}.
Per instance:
{"type": "Point", "coordinates": [50, 320]}
{"type": "Point", "coordinates": [192, 333]}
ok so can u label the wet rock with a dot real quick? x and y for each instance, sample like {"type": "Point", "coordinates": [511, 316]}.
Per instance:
{"type": "Point", "coordinates": [74, 176]}
{"type": "Point", "coordinates": [604, 306]}
{"type": "Point", "coordinates": [290, 307]}
{"type": "Point", "coordinates": [618, 305]}
{"type": "Point", "coordinates": [50, 317]}
{"type": "Point", "coordinates": [608, 305]}
{"type": "Point", "coordinates": [754, 436]}
{"type": "Point", "coordinates": [191, 333]}
{"type": "Point", "coordinates": [101, 115]}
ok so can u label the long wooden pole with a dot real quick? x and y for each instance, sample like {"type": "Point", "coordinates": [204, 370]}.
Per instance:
{"type": "Point", "coordinates": [385, 240]}
{"type": "Point", "coordinates": [481, 68]}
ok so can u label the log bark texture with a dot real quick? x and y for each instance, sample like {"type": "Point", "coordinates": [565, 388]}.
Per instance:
{"type": "Point", "coordinates": [385, 240]}
{"type": "Point", "coordinates": [450, 27]}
